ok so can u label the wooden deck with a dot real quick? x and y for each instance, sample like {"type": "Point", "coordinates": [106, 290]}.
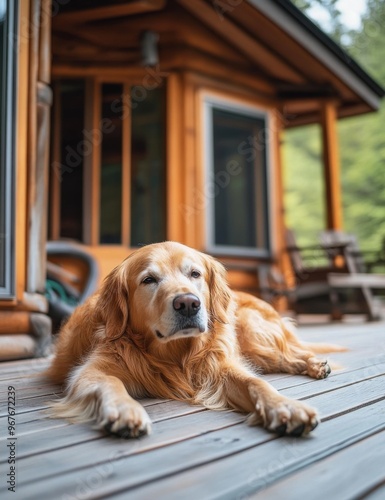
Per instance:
{"type": "Point", "coordinates": [194, 453]}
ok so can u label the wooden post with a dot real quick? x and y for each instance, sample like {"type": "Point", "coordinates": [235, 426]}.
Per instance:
{"type": "Point", "coordinates": [331, 166]}
{"type": "Point", "coordinates": [22, 153]}
{"type": "Point", "coordinates": [126, 166]}
{"type": "Point", "coordinates": [91, 188]}
{"type": "Point", "coordinates": [277, 220]}
{"type": "Point", "coordinates": [175, 166]}
{"type": "Point", "coordinates": [40, 100]}
{"type": "Point", "coordinates": [55, 174]}
{"type": "Point", "coordinates": [189, 163]}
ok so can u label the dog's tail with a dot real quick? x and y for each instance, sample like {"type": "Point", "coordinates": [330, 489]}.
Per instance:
{"type": "Point", "coordinates": [321, 348]}
{"type": "Point", "coordinates": [316, 347]}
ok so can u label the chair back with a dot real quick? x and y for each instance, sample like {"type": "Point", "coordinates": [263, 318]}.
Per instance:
{"type": "Point", "coordinates": [349, 248]}
{"type": "Point", "coordinates": [294, 252]}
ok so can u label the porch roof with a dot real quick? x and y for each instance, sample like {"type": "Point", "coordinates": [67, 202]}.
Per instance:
{"type": "Point", "coordinates": [271, 47]}
{"type": "Point", "coordinates": [323, 48]}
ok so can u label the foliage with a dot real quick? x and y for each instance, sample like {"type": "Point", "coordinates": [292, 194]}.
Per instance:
{"type": "Point", "coordinates": [304, 195]}
{"type": "Point", "coordinates": [337, 30]}
{"type": "Point", "coordinates": [362, 150]}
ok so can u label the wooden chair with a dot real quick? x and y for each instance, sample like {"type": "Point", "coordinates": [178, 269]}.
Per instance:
{"type": "Point", "coordinates": [311, 262]}
{"type": "Point", "coordinates": [311, 297]}
{"type": "Point", "coordinates": [339, 243]}
{"type": "Point", "coordinates": [356, 284]}
{"type": "Point", "coordinates": [311, 266]}
{"type": "Point", "coordinates": [339, 292]}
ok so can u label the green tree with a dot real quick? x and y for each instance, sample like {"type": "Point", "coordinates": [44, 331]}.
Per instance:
{"type": "Point", "coordinates": [336, 28]}
{"type": "Point", "coordinates": [362, 139]}
{"type": "Point", "coordinates": [362, 149]}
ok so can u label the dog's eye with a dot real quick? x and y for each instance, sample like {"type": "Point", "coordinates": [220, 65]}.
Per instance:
{"type": "Point", "coordinates": [195, 274]}
{"type": "Point", "coordinates": [149, 279]}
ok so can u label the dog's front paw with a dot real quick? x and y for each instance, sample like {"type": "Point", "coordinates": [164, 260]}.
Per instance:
{"type": "Point", "coordinates": [285, 416]}
{"type": "Point", "coordinates": [126, 420]}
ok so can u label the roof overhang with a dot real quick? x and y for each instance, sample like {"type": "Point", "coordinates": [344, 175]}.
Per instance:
{"type": "Point", "coordinates": [301, 29]}
{"type": "Point", "coordinates": [268, 46]}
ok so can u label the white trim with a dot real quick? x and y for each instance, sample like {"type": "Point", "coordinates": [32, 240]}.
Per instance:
{"type": "Point", "coordinates": [211, 102]}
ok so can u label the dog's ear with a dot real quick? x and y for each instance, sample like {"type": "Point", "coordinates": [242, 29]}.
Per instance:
{"type": "Point", "coordinates": [220, 294]}
{"type": "Point", "coordinates": [113, 302]}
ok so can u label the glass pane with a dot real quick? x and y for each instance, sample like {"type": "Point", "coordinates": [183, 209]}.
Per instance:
{"type": "Point", "coordinates": [7, 131]}
{"type": "Point", "coordinates": [239, 158]}
{"type": "Point", "coordinates": [2, 142]}
{"type": "Point", "coordinates": [73, 148]}
{"type": "Point", "coordinates": [2, 233]}
{"type": "Point", "coordinates": [148, 176]}
{"type": "Point", "coordinates": [111, 165]}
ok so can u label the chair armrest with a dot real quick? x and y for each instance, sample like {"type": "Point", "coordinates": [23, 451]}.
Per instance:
{"type": "Point", "coordinates": [304, 248]}
{"type": "Point", "coordinates": [356, 280]}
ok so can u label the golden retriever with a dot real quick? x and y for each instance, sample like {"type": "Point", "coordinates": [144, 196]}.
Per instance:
{"type": "Point", "coordinates": [166, 325]}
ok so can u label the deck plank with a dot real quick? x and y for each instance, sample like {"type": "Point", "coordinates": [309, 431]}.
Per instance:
{"type": "Point", "coordinates": [22, 368]}
{"type": "Point", "coordinates": [93, 453]}
{"type": "Point", "coordinates": [366, 461]}
{"type": "Point", "coordinates": [234, 476]}
{"type": "Point", "coordinates": [378, 492]}
{"type": "Point", "coordinates": [200, 473]}
{"type": "Point", "coordinates": [36, 396]}
{"type": "Point", "coordinates": [92, 449]}
{"type": "Point", "coordinates": [302, 388]}
{"type": "Point", "coordinates": [195, 452]}
{"type": "Point", "coordinates": [67, 434]}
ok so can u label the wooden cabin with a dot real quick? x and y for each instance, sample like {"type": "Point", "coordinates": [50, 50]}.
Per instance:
{"type": "Point", "coordinates": [128, 122]}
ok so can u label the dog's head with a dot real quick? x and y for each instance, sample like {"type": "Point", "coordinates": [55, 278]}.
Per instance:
{"type": "Point", "coordinates": [166, 290]}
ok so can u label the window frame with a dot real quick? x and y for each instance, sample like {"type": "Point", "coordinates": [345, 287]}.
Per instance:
{"type": "Point", "coordinates": [93, 162]}
{"type": "Point", "coordinates": [7, 143]}
{"type": "Point", "coordinates": [210, 103]}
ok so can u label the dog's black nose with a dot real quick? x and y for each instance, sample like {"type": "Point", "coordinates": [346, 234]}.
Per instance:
{"type": "Point", "coordinates": [187, 304]}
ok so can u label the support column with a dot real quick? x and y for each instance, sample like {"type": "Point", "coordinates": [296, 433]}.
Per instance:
{"type": "Point", "coordinates": [40, 100]}
{"type": "Point", "coordinates": [278, 216]}
{"type": "Point", "coordinates": [176, 209]}
{"type": "Point", "coordinates": [331, 166]}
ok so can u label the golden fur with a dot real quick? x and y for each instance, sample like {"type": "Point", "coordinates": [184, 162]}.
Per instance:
{"type": "Point", "coordinates": [165, 324]}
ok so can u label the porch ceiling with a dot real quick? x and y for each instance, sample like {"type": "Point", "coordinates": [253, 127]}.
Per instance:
{"type": "Point", "coordinates": [289, 58]}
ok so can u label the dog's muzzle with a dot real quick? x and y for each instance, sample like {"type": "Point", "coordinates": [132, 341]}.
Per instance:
{"type": "Point", "coordinates": [187, 304]}
{"type": "Point", "coordinates": [189, 318]}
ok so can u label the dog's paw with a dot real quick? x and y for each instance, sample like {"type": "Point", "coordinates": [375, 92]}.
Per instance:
{"type": "Point", "coordinates": [286, 416]}
{"type": "Point", "coordinates": [317, 368]}
{"type": "Point", "coordinates": [126, 420]}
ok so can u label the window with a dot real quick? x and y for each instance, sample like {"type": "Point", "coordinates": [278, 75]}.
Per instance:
{"type": "Point", "coordinates": [111, 165]}
{"type": "Point", "coordinates": [148, 174]}
{"type": "Point", "coordinates": [127, 153]}
{"type": "Point", "coordinates": [236, 185]}
{"type": "Point", "coordinates": [71, 166]}
{"type": "Point", "coordinates": [7, 135]}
